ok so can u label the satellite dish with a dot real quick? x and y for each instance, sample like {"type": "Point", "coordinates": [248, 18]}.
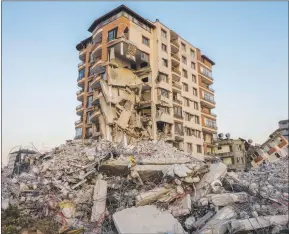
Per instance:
{"type": "Point", "coordinates": [228, 135]}
{"type": "Point", "coordinates": [221, 135]}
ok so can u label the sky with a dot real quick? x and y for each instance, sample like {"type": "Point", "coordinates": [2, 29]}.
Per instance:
{"type": "Point", "coordinates": [247, 40]}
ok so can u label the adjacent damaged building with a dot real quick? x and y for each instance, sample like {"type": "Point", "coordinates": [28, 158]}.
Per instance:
{"type": "Point", "coordinates": [140, 80]}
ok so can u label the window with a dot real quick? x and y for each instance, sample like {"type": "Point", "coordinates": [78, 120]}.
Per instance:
{"type": "Point", "coordinates": [179, 128]}
{"type": "Point", "coordinates": [164, 48]}
{"type": "Point", "coordinates": [187, 116]}
{"type": "Point", "coordinates": [164, 33]}
{"type": "Point", "coordinates": [183, 46]}
{"type": "Point", "coordinates": [163, 77]}
{"type": "Point", "coordinates": [81, 74]}
{"type": "Point", "coordinates": [219, 147]}
{"type": "Point", "coordinates": [165, 62]}
{"type": "Point", "coordinates": [199, 148]}
{"type": "Point", "coordinates": [194, 79]}
{"type": "Point", "coordinates": [112, 34]}
{"type": "Point", "coordinates": [144, 56]}
{"type": "Point", "coordinates": [184, 60]}
{"type": "Point", "coordinates": [186, 102]}
{"type": "Point", "coordinates": [197, 119]}
{"type": "Point", "coordinates": [192, 53]}
{"type": "Point", "coordinates": [145, 41]}
{"type": "Point", "coordinates": [88, 117]}
{"type": "Point", "coordinates": [89, 89]}
{"type": "Point", "coordinates": [185, 73]}
{"type": "Point", "coordinates": [196, 107]}
{"type": "Point", "coordinates": [145, 80]}
{"type": "Point", "coordinates": [209, 97]}
{"type": "Point", "coordinates": [185, 87]}
{"type": "Point", "coordinates": [89, 101]}
{"type": "Point", "coordinates": [195, 92]}
{"type": "Point", "coordinates": [189, 147]}
{"type": "Point", "coordinates": [78, 132]}
{"type": "Point", "coordinates": [193, 65]}
{"type": "Point", "coordinates": [178, 112]}
{"type": "Point", "coordinates": [165, 93]}
{"type": "Point", "coordinates": [164, 110]}
{"type": "Point", "coordinates": [210, 123]}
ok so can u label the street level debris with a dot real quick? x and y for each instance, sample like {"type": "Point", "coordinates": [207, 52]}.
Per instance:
{"type": "Point", "coordinates": [89, 186]}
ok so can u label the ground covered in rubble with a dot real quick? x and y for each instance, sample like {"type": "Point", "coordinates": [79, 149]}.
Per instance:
{"type": "Point", "coordinates": [104, 187]}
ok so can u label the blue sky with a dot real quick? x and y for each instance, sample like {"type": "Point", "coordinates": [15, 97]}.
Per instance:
{"type": "Point", "coordinates": [247, 40]}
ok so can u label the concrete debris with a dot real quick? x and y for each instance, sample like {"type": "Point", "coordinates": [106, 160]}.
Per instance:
{"type": "Point", "coordinates": [144, 187]}
{"type": "Point", "coordinates": [146, 219]}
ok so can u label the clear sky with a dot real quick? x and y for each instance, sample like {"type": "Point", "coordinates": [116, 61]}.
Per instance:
{"type": "Point", "coordinates": [247, 40]}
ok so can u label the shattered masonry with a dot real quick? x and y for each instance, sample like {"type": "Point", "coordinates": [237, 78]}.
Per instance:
{"type": "Point", "coordinates": [104, 187]}
{"type": "Point", "coordinates": [128, 93]}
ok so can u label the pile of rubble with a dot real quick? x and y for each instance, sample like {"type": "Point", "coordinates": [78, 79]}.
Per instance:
{"type": "Point", "coordinates": [104, 187]}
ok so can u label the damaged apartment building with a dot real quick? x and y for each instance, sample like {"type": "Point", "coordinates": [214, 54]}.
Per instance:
{"type": "Point", "coordinates": [140, 80]}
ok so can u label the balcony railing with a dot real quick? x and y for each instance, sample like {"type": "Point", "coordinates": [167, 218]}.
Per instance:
{"type": "Point", "coordinates": [210, 88]}
{"type": "Point", "coordinates": [80, 78]}
{"type": "Point", "coordinates": [179, 133]}
{"type": "Point", "coordinates": [80, 64]}
{"type": "Point", "coordinates": [79, 106]}
{"type": "Point", "coordinates": [209, 99]}
{"type": "Point", "coordinates": [227, 154]}
{"type": "Point", "coordinates": [176, 70]}
{"type": "Point", "coordinates": [79, 92]}
{"type": "Point", "coordinates": [175, 43]}
{"type": "Point", "coordinates": [209, 125]}
{"type": "Point", "coordinates": [177, 101]}
{"type": "Point", "coordinates": [175, 56]}
{"type": "Point", "coordinates": [178, 116]}
{"type": "Point", "coordinates": [77, 121]}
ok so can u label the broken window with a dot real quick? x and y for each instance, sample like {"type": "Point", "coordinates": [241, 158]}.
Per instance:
{"type": "Point", "coordinates": [185, 73]}
{"type": "Point", "coordinates": [112, 34]}
{"type": "Point", "coordinates": [144, 56]}
{"type": "Point", "coordinates": [194, 79]}
{"type": "Point", "coordinates": [165, 62]}
{"type": "Point", "coordinates": [185, 87]}
{"type": "Point", "coordinates": [189, 147]}
{"type": "Point", "coordinates": [164, 48]}
{"type": "Point", "coordinates": [195, 92]}
{"type": "Point", "coordinates": [199, 148]}
{"type": "Point", "coordinates": [164, 33]}
{"type": "Point", "coordinates": [145, 41]}
{"type": "Point", "coordinates": [184, 60]}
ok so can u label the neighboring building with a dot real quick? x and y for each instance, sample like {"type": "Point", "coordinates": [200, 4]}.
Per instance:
{"type": "Point", "coordinates": [140, 80]}
{"type": "Point", "coordinates": [231, 152]}
{"type": "Point", "coordinates": [271, 150]}
{"type": "Point", "coordinates": [284, 126]}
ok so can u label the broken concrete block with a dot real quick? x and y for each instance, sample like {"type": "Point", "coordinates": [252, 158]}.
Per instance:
{"type": "Point", "coordinates": [228, 198]}
{"type": "Point", "coordinates": [181, 170]}
{"type": "Point", "coordinates": [182, 206]}
{"type": "Point", "coordinates": [201, 221]}
{"type": "Point", "coordinates": [189, 222]}
{"type": "Point", "coordinates": [217, 171]}
{"type": "Point", "coordinates": [146, 219]}
{"type": "Point", "coordinates": [147, 172]}
{"type": "Point", "coordinates": [257, 223]}
{"type": "Point", "coordinates": [190, 179]}
{"type": "Point", "coordinates": [151, 196]}
{"type": "Point", "coordinates": [99, 200]}
{"type": "Point", "coordinates": [219, 222]}
{"type": "Point", "coordinates": [204, 201]}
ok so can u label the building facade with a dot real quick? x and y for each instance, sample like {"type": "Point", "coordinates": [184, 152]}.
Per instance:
{"type": "Point", "coordinates": [284, 126]}
{"type": "Point", "coordinates": [232, 152]}
{"type": "Point", "coordinates": [140, 80]}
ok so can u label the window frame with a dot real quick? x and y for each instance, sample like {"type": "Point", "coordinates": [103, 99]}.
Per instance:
{"type": "Point", "coordinates": [164, 33]}
{"type": "Point", "coordinates": [114, 30]}
{"type": "Point", "coordinates": [145, 39]}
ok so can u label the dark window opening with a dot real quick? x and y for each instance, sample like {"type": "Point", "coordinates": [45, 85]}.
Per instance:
{"type": "Point", "coordinates": [133, 66]}
{"type": "Point", "coordinates": [219, 147]}
{"type": "Point", "coordinates": [277, 155]}
{"type": "Point", "coordinates": [142, 65]}
{"type": "Point", "coordinates": [145, 80]}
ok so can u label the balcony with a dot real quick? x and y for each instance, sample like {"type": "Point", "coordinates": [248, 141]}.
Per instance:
{"type": "Point", "coordinates": [78, 122]}
{"type": "Point", "coordinates": [206, 76]}
{"type": "Point", "coordinates": [95, 101]}
{"type": "Point", "coordinates": [210, 125]}
{"type": "Point", "coordinates": [79, 109]}
{"type": "Point", "coordinates": [226, 154]}
{"type": "Point", "coordinates": [175, 60]}
{"type": "Point", "coordinates": [80, 81]}
{"type": "Point", "coordinates": [81, 65]}
{"type": "Point", "coordinates": [207, 102]}
{"type": "Point", "coordinates": [95, 115]}
{"type": "Point", "coordinates": [82, 54]}
{"type": "Point", "coordinates": [178, 116]}
{"type": "Point", "coordinates": [164, 117]}
{"type": "Point", "coordinates": [174, 35]}
{"type": "Point", "coordinates": [209, 113]}
{"type": "Point", "coordinates": [164, 100]}
{"type": "Point", "coordinates": [179, 135]}
{"type": "Point", "coordinates": [176, 100]}
{"type": "Point", "coordinates": [177, 85]}
{"type": "Point", "coordinates": [207, 87]}
{"type": "Point", "coordinates": [80, 95]}
{"type": "Point", "coordinates": [176, 71]}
